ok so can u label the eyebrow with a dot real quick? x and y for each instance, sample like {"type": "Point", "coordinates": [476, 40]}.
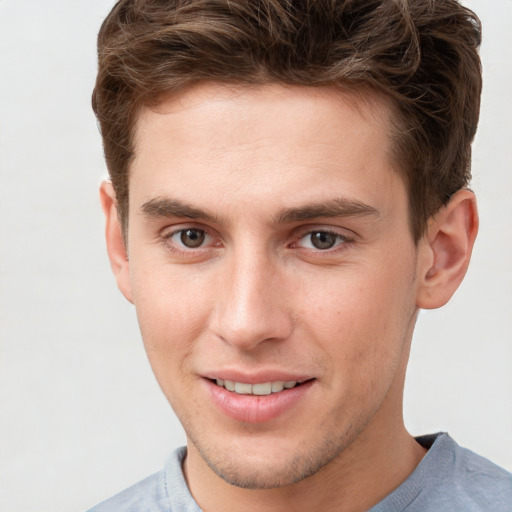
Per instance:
{"type": "Point", "coordinates": [161, 207]}
{"type": "Point", "coordinates": [339, 207]}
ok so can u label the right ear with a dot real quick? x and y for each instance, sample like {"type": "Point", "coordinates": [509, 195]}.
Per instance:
{"type": "Point", "coordinates": [116, 247]}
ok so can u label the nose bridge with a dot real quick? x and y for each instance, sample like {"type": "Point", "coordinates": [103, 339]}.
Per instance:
{"type": "Point", "coordinates": [252, 308]}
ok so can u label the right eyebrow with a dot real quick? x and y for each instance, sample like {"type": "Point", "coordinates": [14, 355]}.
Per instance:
{"type": "Point", "coordinates": [162, 207]}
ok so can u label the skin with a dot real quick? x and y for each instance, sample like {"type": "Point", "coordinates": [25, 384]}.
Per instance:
{"type": "Point", "coordinates": [258, 172]}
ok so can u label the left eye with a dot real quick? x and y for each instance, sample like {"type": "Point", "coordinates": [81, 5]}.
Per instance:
{"type": "Point", "coordinates": [190, 238]}
{"type": "Point", "coordinates": [321, 240]}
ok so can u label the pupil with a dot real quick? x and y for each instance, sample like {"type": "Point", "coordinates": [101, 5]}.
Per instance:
{"type": "Point", "coordinates": [192, 237]}
{"type": "Point", "coordinates": [323, 240]}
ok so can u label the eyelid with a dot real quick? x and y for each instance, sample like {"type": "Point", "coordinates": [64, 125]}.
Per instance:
{"type": "Point", "coordinates": [170, 230]}
{"type": "Point", "coordinates": [335, 230]}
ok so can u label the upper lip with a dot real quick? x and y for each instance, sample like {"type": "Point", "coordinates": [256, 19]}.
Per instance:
{"type": "Point", "coordinates": [252, 377]}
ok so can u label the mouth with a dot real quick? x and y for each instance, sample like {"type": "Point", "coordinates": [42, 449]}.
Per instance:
{"type": "Point", "coordinates": [257, 402]}
{"type": "Point", "coordinates": [259, 389]}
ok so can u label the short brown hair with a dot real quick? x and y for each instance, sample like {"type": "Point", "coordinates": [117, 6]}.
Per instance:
{"type": "Point", "coordinates": [422, 54]}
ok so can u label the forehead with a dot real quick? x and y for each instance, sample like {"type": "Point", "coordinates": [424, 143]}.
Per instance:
{"type": "Point", "coordinates": [204, 102]}
{"type": "Point", "coordinates": [224, 140]}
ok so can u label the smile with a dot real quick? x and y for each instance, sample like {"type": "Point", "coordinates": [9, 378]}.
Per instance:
{"type": "Point", "coordinates": [257, 402]}
{"type": "Point", "coordinates": [260, 389]}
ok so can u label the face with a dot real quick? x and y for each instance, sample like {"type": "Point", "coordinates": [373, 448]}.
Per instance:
{"type": "Point", "coordinates": [273, 272]}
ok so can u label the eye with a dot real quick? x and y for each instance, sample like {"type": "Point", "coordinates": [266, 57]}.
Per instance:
{"type": "Point", "coordinates": [191, 238]}
{"type": "Point", "coordinates": [321, 240]}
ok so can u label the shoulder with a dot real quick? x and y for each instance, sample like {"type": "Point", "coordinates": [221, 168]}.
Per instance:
{"type": "Point", "coordinates": [459, 479]}
{"type": "Point", "coordinates": [481, 480]}
{"type": "Point", "coordinates": [164, 491]}
{"type": "Point", "coordinates": [146, 495]}
{"type": "Point", "coordinates": [452, 479]}
{"type": "Point", "coordinates": [465, 467]}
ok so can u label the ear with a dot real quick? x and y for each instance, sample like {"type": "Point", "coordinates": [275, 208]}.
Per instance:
{"type": "Point", "coordinates": [445, 250]}
{"type": "Point", "coordinates": [116, 247]}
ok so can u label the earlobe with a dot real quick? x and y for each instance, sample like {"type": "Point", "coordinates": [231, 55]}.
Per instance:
{"type": "Point", "coordinates": [116, 248]}
{"type": "Point", "coordinates": [446, 250]}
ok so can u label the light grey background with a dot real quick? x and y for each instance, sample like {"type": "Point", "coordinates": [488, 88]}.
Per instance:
{"type": "Point", "coordinates": [81, 415]}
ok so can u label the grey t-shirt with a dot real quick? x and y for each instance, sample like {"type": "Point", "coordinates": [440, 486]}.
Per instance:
{"type": "Point", "coordinates": [448, 479]}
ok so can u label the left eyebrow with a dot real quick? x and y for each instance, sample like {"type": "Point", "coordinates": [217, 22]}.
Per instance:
{"type": "Point", "coordinates": [339, 207]}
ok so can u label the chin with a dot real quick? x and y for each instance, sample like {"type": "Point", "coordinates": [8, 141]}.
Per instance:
{"type": "Point", "coordinates": [269, 468]}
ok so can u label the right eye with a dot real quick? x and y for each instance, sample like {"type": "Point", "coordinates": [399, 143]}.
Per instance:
{"type": "Point", "coordinates": [190, 238]}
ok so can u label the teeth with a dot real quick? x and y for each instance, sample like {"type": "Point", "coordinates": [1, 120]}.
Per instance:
{"type": "Point", "coordinates": [260, 389]}
{"type": "Point", "coordinates": [229, 385]}
{"type": "Point", "coordinates": [277, 386]}
{"type": "Point", "coordinates": [243, 389]}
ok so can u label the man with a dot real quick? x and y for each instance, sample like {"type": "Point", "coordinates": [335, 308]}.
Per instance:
{"type": "Point", "coordinates": [288, 188]}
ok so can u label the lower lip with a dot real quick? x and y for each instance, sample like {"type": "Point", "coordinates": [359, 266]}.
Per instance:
{"type": "Point", "coordinates": [253, 408]}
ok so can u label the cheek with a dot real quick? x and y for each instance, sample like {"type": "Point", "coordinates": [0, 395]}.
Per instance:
{"type": "Point", "coordinates": [362, 317]}
{"type": "Point", "coordinates": [171, 311]}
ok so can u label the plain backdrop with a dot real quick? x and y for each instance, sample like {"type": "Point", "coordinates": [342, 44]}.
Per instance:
{"type": "Point", "coordinates": [81, 416]}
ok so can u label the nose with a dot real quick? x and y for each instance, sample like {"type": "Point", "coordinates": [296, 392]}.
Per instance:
{"type": "Point", "coordinates": [251, 306]}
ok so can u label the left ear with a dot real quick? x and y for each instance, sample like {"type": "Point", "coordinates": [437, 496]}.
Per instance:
{"type": "Point", "coordinates": [445, 250]}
